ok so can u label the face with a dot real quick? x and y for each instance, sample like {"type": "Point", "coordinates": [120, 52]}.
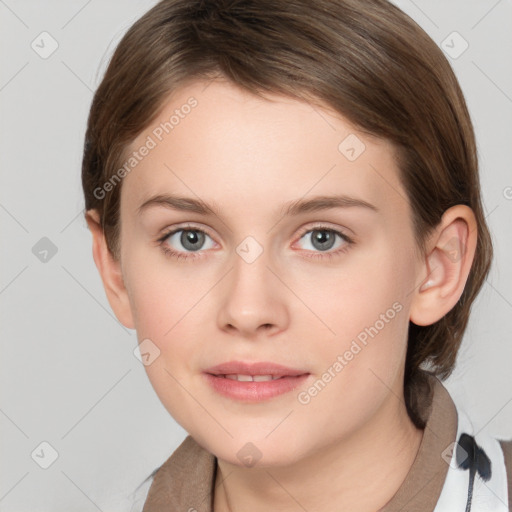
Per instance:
{"type": "Point", "coordinates": [304, 257]}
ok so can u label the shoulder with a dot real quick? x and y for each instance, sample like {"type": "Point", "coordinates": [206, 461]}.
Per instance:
{"type": "Point", "coordinates": [187, 475]}
{"type": "Point", "coordinates": [479, 464]}
{"type": "Point", "coordinates": [138, 497]}
{"type": "Point", "coordinates": [506, 446]}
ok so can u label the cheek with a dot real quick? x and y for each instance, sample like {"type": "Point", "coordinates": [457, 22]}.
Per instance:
{"type": "Point", "coordinates": [365, 286]}
{"type": "Point", "coordinates": [360, 364]}
{"type": "Point", "coordinates": [169, 303]}
{"type": "Point", "coordinates": [166, 312]}
{"type": "Point", "coordinates": [366, 305]}
{"type": "Point", "coordinates": [162, 292]}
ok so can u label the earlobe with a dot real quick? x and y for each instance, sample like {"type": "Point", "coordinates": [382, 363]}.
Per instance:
{"type": "Point", "coordinates": [446, 266]}
{"type": "Point", "coordinates": [110, 272]}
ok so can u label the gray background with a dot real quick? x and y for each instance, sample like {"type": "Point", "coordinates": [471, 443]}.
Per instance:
{"type": "Point", "coordinates": [69, 376]}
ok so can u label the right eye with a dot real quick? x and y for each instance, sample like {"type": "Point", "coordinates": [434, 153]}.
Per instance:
{"type": "Point", "coordinates": [191, 240]}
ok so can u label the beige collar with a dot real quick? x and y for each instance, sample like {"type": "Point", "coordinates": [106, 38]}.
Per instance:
{"type": "Point", "coordinates": [184, 483]}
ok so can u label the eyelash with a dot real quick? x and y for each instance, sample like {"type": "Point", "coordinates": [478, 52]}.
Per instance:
{"type": "Point", "coordinates": [316, 255]}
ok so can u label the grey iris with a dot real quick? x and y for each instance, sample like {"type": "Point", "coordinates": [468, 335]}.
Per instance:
{"type": "Point", "coordinates": [323, 239]}
{"type": "Point", "coordinates": [192, 240]}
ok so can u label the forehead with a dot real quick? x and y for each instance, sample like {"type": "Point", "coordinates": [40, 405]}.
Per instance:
{"type": "Point", "coordinates": [224, 145]}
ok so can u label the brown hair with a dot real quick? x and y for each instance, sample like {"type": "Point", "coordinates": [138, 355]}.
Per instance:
{"type": "Point", "coordinates": [365, 59]}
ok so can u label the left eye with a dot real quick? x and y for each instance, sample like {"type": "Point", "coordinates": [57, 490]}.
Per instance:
{"type": "Point", "coordinates": [323, 239]}
{"type": "Point", "coordinates": [190, 239]}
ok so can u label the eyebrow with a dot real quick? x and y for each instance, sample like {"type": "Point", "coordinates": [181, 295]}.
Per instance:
{"type": "Point", "coordinates": [324, 203]}
{"type": "Point", "coordinates": [291, 208]}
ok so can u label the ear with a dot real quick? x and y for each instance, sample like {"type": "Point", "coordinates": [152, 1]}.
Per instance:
{"type": "Point", "coordinates": [446, 265]}
{"type": "Point", "coordinates": [110, 271]}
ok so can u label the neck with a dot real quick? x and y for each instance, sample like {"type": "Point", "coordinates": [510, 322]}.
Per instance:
{"type": "Point", "coordinates": [360, 473]}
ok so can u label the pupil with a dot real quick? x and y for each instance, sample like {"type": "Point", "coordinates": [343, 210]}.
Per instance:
{"type": "Point", "coordinates": [323, 239]}
{"type": "Point", "coordinates": [190, 240]}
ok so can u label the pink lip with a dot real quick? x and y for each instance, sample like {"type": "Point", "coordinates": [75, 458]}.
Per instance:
{"type": "Point", "coordinates": [253, 391]}
{"type": "Point", "coordinates": [260, 368]}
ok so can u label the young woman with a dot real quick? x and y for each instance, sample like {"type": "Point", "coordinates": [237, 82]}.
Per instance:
{"type": "Point", "coordinates": [284, 202]}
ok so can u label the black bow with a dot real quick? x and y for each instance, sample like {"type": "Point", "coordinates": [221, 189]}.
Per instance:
{"type": "Point", "coordinates": [470, 456]}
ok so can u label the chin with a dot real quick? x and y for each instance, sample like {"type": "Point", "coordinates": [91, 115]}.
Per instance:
{"type": "Point", "coordinates": [252, 451]}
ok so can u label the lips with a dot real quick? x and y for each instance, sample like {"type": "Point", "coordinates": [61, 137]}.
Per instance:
{"type": "Point", "coordinates": [253, 382]}
{"type": "Point", "coordinates": [263, 368]}
{"type": "Point", "coordinates": [251, 378]}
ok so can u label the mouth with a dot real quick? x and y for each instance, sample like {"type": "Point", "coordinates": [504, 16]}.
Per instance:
{"type": "Point", "coordinates": [250, 378]}
{"type": "Point", "coordinates": [253, 382]}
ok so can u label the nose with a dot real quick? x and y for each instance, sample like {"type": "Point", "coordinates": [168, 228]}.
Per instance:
{"type": "Point", "coordinates": [253, 299]}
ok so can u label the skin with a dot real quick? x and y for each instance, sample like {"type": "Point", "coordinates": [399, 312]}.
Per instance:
{"type": "Point", "coordinates": [352, 445]}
